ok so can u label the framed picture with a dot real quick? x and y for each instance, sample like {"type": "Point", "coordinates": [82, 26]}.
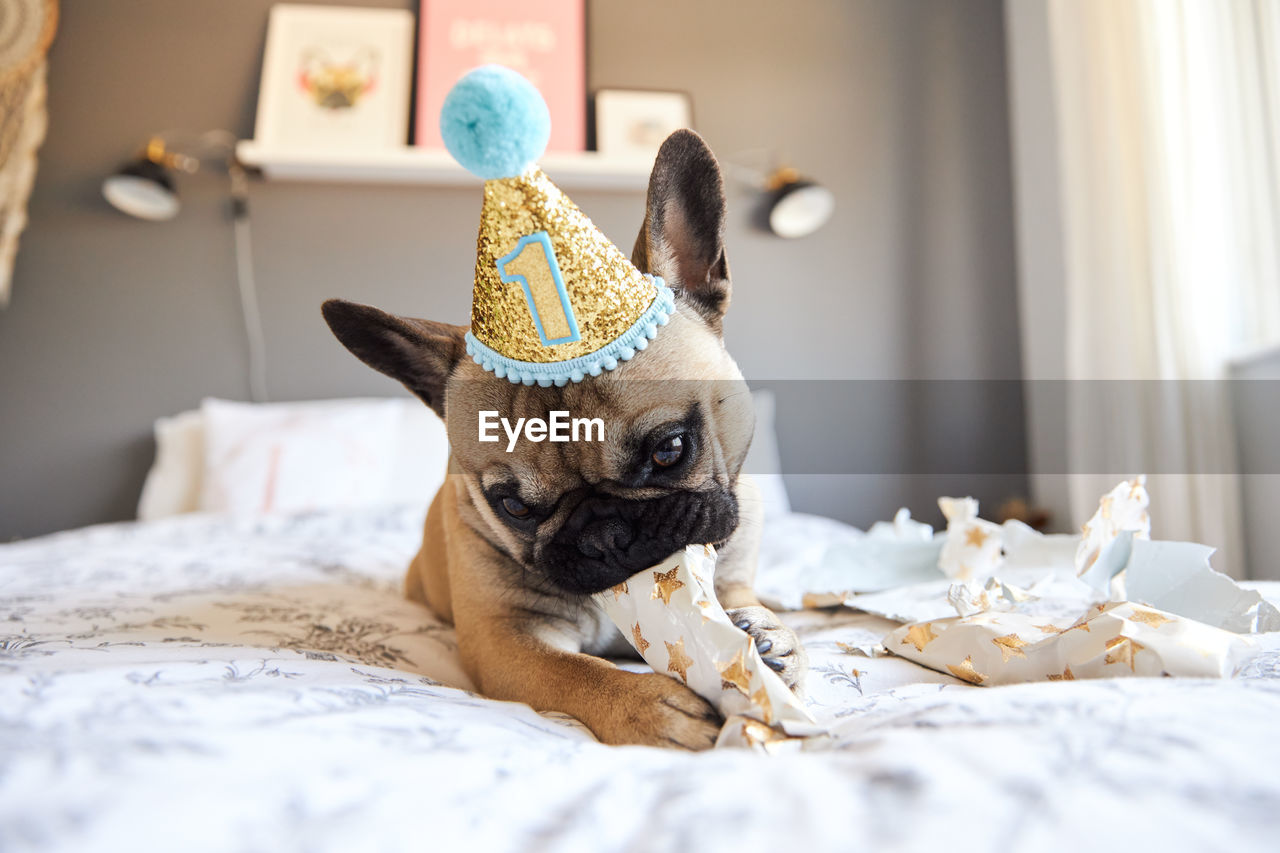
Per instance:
{"type": "Point", "coordinates": [541, 39]}
{"type": "Point", "coordinates": [335, 77]}
{"type": "Point", "coordinates": [633, 122]}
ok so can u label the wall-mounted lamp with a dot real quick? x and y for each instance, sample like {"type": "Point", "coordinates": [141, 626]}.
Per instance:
{"type": "Point", "coordinates": [790, 205]}
{"type": "Point", "coordinates": [144, 188]}
{"type": "Point", "coordinates": [794, 206]}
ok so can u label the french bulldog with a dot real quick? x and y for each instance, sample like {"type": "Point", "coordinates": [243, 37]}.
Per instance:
{"type": "Point", "coordinates": [516, 543]}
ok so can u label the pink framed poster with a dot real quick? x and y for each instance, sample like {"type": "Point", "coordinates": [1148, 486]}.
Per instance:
{"type": "Point", "coordinates": [542, 39]}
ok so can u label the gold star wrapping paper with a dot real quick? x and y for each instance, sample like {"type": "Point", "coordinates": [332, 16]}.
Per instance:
{"type": "Point", "coordinates": [1177, 577]}
{"type": "Point", "coordinates": [1052, 626]}
{"type": "Point", "coordinates": [1113, 640]}
{"type": "Point", "coordinates": [671, 615]}
{"type": "Point", "coordinates": [1124, 508]}
{"type": "Point", "coordinates": [970, 597]}
{"type": "Point", "coordinates": [1001, 634]}
{"type": "Point", "coordinates": [1108, 603]}
{"type": "Point", "coordinates": [972, 549]}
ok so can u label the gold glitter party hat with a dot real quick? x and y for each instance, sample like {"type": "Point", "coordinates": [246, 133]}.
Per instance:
{"type": "Point", "coordinates": [554, 301]}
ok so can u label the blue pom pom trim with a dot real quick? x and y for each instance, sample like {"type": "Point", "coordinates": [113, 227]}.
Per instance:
{"type": "Point", "coordinates": [561, 373]}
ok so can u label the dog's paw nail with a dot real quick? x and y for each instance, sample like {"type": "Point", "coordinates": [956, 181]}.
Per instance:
{"type": "Point", "coordinates": [763, 646]}
{"type": "Point", "coordinates": [774, 664]}
{"type": "Point", "coordinates": [742, 624]}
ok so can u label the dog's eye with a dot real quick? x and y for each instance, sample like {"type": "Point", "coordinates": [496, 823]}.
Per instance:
{"type": "Point", "coordinates": [669, 452]}
{"type": "Point", "coordinates": [515, 507]}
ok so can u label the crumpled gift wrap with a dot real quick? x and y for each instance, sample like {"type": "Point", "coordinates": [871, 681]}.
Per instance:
{"type": "Point", "coordinates": [973, 546]}
{"type": "Point", "coordinates": [1044, 564]}
{"type": "Point", "coordinates": [972, 597]}
{"type": "Point", "coordinates": [903, 528]}
{"type": "Point", "coordinates": [1123, 509]}
{"type": "Point", "coordinates": [671, 616]}
{"type": "Point", "coordinates": [1027, 548]}
{"type": "Point", "coordinates": [1117, 559]}
{"type": "Point", "coordinates": [1176, 576]}
{"type": "Point", "coordinates": [1116, 639]}
{"type": "Point", "coordinates": [1184, 619]}
{"type": "Point", "coordinates": [811, 562]}
{"type": "Point", "coordinates": [1067, 572]}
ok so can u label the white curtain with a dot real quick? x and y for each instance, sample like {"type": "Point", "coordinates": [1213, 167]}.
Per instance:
{"type": "Point", "coordinates": [1169, 120]}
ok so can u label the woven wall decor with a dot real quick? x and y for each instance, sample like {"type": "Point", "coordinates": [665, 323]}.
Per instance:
{"type": "Point", "coordinates": [26, 31]}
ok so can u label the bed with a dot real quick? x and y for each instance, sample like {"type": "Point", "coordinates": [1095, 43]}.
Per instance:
{"type": "Point", "coordinates": [255, 681]}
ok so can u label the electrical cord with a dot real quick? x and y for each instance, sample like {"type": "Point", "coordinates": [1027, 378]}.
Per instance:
{"type": "Point", "coordinates": [248, 285]}
{"type": "Point", "coordinates": [187, 152]}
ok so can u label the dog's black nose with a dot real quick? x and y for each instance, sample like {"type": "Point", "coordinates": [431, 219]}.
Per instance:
{"type": "Point", "coordinates": [602, 538]}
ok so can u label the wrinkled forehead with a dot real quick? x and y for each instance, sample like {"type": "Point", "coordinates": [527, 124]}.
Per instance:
{"type": "Point", "coordinates": [680, 378]}
{"type": "Point", "coordinates": [604, 425]}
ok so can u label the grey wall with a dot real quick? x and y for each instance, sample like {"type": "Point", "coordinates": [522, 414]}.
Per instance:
{"type": "Point", "coordinates": [900, 107]}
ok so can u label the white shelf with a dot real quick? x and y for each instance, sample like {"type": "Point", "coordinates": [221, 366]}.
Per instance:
{"type": "Point", "coordinates": [409, 165]}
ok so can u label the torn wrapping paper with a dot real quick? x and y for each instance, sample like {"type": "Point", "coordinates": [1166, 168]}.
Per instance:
{"type": "Point", "coordinates": [1176, 576]}
{"type": "Point", "coordinates": [921, 590]}
{"type": "Point", "coordinates": [894, 559]}
{"type": "Point", "coordinates": [1046, 582]}
{"type": "Point", "coordinates": [747, 732]}
{"type": "Point", "coordinates": [671, 616]}
{"type": "Point", "coordinates": [1049, 596]}
{"type": "Point", "coordinates": [1028, 548]}
{"type": "Point", "coordinates": [912, 603]}
{"type": "Point", "coordinates": [1122, 509]}
{"type": "Point", "coordinates": [1118, 639]}
{"type": "Point", "coordinates": [1116, 557]}
{"type": "Point", "coordinates": [898, 569]}
{"type": "Point", "coordinates": [972, 597]}
{"type": "Point", "coordinates": [1156, 606]}
{"type": "Point", "coordinates": [811, 561]}
{"type": "Point", "coordinates": [903, 528]}
{"type": "Point", "coordinates": [973, 545]}
{"type": "Point", "coordinates": [1054, 594]}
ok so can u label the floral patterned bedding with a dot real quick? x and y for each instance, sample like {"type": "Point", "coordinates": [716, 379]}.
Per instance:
{"type": "Point", "coordinates": [258, 683]}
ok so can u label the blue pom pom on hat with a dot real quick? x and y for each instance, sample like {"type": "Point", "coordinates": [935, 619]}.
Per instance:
{"type": "Point", "coordinates": [554, 300]}
{"type": "Point", "coordinates": [495, 122]}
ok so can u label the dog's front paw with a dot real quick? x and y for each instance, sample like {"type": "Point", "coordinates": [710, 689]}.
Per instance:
{"type": "Point", "coordinates": [778, 645]}
{"type": "Point", "coordinates": [652, 709]}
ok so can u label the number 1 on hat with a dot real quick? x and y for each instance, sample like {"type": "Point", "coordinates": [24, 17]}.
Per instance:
{"type": "Point", "coordinates": [532, 263]}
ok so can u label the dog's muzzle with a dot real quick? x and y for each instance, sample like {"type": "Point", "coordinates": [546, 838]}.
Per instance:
{"type": "Point", "coordinates": [607, 539]}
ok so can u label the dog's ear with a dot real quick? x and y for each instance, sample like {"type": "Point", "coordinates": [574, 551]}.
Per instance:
{"type": "Point", "coordinates": [682, 238]}
{"type": "Point", "coordinates": [419, 353]}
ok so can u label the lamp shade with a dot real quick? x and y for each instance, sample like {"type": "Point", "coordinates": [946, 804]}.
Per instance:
{"type": "Point", "coordinates": [798, 208]}
{"type": "Point", "coordinates": [142, 188]}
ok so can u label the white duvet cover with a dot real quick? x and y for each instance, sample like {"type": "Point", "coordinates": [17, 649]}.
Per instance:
{"type": "Point", "coordinates": [258, 683]}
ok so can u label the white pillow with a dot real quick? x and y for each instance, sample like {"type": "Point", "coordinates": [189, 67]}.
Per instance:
{"type": "Point", "coordinates": [273, 457]}
{"type": "Point", "coordinates": [173, 483]}
{"type": "Point", "coordinates": [421, 455]}
{"type": "Point", "coordinates": [417, 457]}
